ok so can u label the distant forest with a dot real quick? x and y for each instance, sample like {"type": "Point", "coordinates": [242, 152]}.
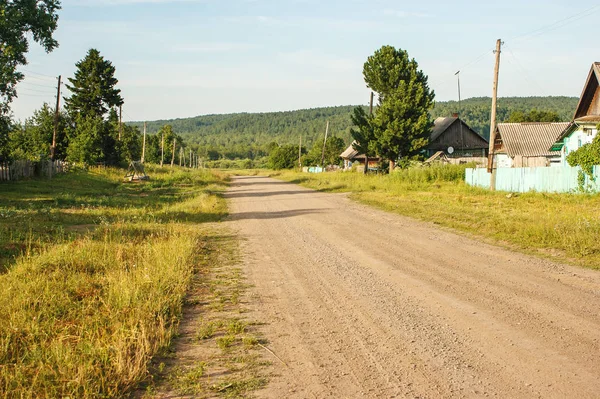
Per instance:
{"type": "Point", "coordinates": [250, 136]}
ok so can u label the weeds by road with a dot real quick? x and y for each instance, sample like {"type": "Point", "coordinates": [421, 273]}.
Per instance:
{"type": "Point", "coordinates": [564, 226]}
{"type": "Point", "coordinates": [96, 275]}
{"type": "Point", "coordinates": [218, 350]}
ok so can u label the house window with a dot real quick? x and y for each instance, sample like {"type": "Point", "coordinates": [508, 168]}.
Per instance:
{"type": "Point", "coordinates": [588, 132]}
{"type": "Point", "coordinates": [579, 142]}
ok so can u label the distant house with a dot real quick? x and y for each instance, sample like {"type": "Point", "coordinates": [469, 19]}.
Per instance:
{"type": "Point", "coordinates": [351, 157]}
{"type": "Point", "coordinates": [583, 129]}
{"type": "Point", "coordinates": [520, 145]}
{"type": "Point", "coordinates": [457, 140]}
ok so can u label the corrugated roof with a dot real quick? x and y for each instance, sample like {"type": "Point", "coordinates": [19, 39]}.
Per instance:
{"type": "Point", "coordinates": [530, 139]}
{"type": "Point", "coordinates": [350, 152]}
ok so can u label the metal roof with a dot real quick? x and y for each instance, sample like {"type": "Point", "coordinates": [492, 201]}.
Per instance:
{"type": "Point", "coordinates": [350, 152]}
{"type": "Point", "coordinates": [530, 139]}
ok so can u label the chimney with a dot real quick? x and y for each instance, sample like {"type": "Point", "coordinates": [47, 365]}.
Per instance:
{"type": "Point", "coordinates": [455, 115]}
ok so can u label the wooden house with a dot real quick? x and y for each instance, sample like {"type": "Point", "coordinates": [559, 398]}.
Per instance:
{"type": "Point", "coordinates": [584, 127]}
{"type": "Point", "coordinates": [457, 140]}
{"type": "Point", "coordinates": [521, 145]}
{"type": "Point", "coordinates": [352, 157]}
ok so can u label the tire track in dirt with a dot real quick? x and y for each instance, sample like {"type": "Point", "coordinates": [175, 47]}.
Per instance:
{"type": "Point", "coordinates": [362, 303]}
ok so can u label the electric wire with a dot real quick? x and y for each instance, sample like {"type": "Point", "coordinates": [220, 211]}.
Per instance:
{"type": "Point", "coordinates": [38, 74]}
{"type": "Point", "coordinates": [557, 24]}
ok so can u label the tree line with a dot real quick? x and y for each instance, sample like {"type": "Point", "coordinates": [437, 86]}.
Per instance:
{"type": "Point", "coordinates": [250, 136]}
{"type": "Point", "coordinates": [88, 129]}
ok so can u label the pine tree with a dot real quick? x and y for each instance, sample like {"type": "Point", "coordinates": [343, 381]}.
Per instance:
{"type": "Point", "coordinates": [402, 124]}
{"type": "Point", "coordinates": [94, 95]}
{"type": "Point", "coordinates": [93, 87]}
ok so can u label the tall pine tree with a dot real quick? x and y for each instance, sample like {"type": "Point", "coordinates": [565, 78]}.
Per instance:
{"type": "Point", "coordinates": [94, 96]}
{"type": "Point", "coordinates": [401, 125]}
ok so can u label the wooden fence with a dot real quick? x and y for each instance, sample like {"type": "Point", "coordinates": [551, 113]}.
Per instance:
{"type": "Point", "coordinates": [18, 170]}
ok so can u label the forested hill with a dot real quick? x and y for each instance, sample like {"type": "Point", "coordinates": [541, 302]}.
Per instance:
{"type": "Point", "coordinates": [244, 135]}
{"type": "Point", "coordinates": [476, 111]}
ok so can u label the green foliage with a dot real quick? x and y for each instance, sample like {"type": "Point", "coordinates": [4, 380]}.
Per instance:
{"type": "Point", "coordinates": [248, 136]}
{"type": "Point", "coordinates": [21, 20]}
{"type": "Point", "coordinates": [333, 148]}
{"type": "Point", "coordinates": [476, 111]}
{"type": "Point", "coordinates": [94, 134]}
{"type": "Point", "coordinates": [402, 122]}
{"type": "Point", "coordinates": [364, 132]}
{"type": "Point", "coordinates": [93, 87]}
{"type": "Point", "coordinates": [32, 140]}
{"type": "Point", "coordinates": [130, 146]}
{"type": "Point", "coordinates": [533, 116]}
{"type": "Point", "coordinates": [285, 157]}
{"type": "Point", "coordinates": [586, 157]}
{"type": "Point", "coordinates": [85, 141]}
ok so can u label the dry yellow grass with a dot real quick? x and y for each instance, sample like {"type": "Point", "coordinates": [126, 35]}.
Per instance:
{"type": "Point", "coordinates": [83, 315]}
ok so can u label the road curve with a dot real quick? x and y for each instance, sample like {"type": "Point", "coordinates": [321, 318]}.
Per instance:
{"type": "Point", "coordinates": [363, 303]}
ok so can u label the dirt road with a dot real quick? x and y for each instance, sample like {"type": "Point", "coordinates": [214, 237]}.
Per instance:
{"type": "Point", "coordinates": [362, 303]}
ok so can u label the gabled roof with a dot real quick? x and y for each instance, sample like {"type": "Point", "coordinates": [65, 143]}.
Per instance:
{"type": "Point", "coordinates": [350, 152]}
{"type": "Point", "coordinates": [590, 90]}
{"type": "Point", "coordinates": [440, 125]}
{"type": "Point", "coordinates": [530, 139]}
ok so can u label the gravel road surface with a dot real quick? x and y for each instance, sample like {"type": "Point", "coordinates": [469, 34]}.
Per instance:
{"type": "Point", "coordinates": [362, 303]}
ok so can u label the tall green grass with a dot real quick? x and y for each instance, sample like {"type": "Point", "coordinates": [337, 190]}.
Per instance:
{"type": "Point", "coordinates": [563, 226]}
{"type": "Point", "coordinates": [83, 315]}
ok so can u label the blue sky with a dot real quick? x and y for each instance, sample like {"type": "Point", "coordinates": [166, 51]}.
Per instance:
{"type": "Point", "coordinates": [181, 58]}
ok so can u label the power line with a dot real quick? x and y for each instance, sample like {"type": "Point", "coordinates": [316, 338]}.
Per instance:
{"type": "Point", "coordinates": [558, 24]}
{"type": "Point", "coordinates": [35, 84]}
{"type": "Point", "coordinates": [38, 74]}
{"type": "Point", "coordinates": [34, 90]}
{"type": "Point", "coordinates": [25, 94]}
{"type": "Point", "coordinates": [527, 76]}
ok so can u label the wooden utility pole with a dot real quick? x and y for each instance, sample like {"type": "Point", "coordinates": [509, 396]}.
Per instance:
{"type": "Point", "coordinates": [162, 149]}
{"type": "Point", "coordinates": [366, 149]}
{"type": "Point", "coordinates": [462, 139]}
{"type": "Point", "coordinates": [300, 154]}
{"type": "Point", "coordinates": [173, 156]}
{"type": "Point", "coordinates": [120, 121]}
{"type": "Point", "coordinates": [56, 114]}
{"type": "Point", "coordinates": [144, 144]}
{"type": "Point", "coordinates": [324, 143]}
{"type": "Point", "coordinates": [491, 169]}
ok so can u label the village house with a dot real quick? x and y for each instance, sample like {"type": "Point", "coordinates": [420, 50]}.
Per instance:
{"type": "Point", "coordinates": [450, 137]}
{"type": "Point", "coordinates": [457, 141]}
{"type": "Point", "coordinates": [352, 157]}
{"type": "Point", "coordinates": [522, 145]}
{"type": "Point", "coordinates": [584, 127]}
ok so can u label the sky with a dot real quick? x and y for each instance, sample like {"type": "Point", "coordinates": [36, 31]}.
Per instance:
{"type": "Point", "coordinates": [183, 58]}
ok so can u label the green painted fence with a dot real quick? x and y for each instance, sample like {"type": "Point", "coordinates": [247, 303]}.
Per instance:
{"type": "Point", "coordinates": [557, 179]}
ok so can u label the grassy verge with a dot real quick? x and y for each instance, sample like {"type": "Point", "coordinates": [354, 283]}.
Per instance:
{"type": "Point", "coordinates": [564, 226]}
{"type": "Point", "coordinates": [216, 330]}
{"type": "Point", "coordinates": [96, 273]}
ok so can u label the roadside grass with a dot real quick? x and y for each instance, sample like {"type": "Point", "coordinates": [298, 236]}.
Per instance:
{"type": "Point", "coordinates": [563, 226]}
{"type": "Point", "coordinates": [37, 213]}
{"type": "Point", "coordinates": [229, 344]}
{"type": "Point", "coordinates": [96, 272]}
